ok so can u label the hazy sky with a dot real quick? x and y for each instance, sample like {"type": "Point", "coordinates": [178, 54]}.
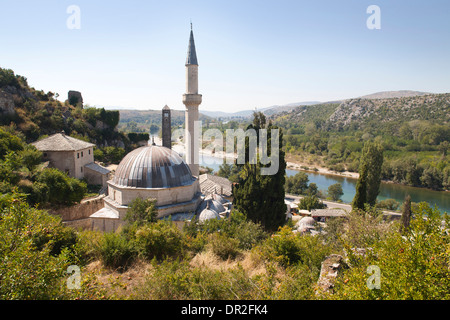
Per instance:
{"type": "Point", "coordinates": [252, 53]}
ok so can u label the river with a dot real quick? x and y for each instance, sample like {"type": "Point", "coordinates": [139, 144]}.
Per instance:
{"type": "Point", "coordinates": [387, 190]}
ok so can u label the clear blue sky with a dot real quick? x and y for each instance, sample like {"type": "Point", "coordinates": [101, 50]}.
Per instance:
{"type": "Point", "coordinates": [252, 53]}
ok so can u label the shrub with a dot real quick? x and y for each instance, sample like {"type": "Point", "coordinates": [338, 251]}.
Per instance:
{"type": "Point", "coordinates": [389, 204]}
{"type": "Point", "coordinates": [35, 251]}
{"type": "Point", "coordinates": [288, 248]}
{"type": "Point", "coordinates": [223, 246]}
{"type": "Point", "coordinates": [159, 240]}
{"type": "Point", "coordinates": [310, 202]}
{"type": "Point", "coordinates": [141, 211]}
{"type": "Point", "coordinates": [413, 265]}
{"type": "Point", "coordinates": [246, 232]}
{"type": "Point", "coordinates": [116, 251]}
{"type": "Point", "coordinates": [62, 189]}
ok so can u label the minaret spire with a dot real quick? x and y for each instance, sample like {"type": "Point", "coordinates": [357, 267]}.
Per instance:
{"type": "Point", "coordinates": [192, 54]}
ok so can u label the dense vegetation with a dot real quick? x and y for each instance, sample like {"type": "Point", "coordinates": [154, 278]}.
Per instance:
{"type": "Point", "coordinates": [21, 169]}
{"type": "Point", "coordinates": [220, 259]}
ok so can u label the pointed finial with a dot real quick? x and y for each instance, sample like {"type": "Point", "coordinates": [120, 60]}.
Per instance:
{"type": "Point", "coordinates": [191, 24]}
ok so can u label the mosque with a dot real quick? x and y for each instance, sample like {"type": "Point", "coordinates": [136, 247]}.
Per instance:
{"type": "Point", "coordinates": [159, 173]}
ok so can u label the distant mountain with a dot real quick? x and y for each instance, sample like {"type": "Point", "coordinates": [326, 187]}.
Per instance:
{"type": "Point", "coordinates": [394, 94]}
{"type": "Point", "coordinates": [267, 111]}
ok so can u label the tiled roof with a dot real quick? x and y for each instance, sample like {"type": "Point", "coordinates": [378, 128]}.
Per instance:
{"type": "Point", "coordinates": [61, 142]}
{"type": "Point", "coordinates": [328, 213]}
{"type": "Point", "coordinates": [214, 184]}
{"type": "Point", "coordinates": [97, 168]}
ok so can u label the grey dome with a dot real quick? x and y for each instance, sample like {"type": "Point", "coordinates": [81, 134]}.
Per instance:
{"type": "Point", "coordinates": [213, 205]}
{"type": "Point", "coordinates": [152, 167]}
{"type": "Point", "coordinates": [305, 223]}
{"type": "Point", "coordinates": [208, 214]}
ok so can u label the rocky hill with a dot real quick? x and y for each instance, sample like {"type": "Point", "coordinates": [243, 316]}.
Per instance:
{"type": "Point", "coordinates": [366, 112]}
{"type": "Point", "coordinates": [362, 113]}
{"type": "Point", "coordinates": [36, 113]}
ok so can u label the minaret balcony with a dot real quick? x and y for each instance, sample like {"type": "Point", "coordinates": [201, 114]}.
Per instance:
{"type": "Point", "coordinates": [192, 100]}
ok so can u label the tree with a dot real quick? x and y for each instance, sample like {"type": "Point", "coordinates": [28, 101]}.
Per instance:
{"type": "Point", "coordinates": [368, 184]}
{"type": "Point", "coordinates": [297, 184]}
{"type": "Point", "coordinates": [141, 211]}
{"type": "Point", "coordinates": [261, 197]}
{"type": "Point", "coordinates": [335, 191]}
{"type": "Point", "coordinates": [62, 189]}
{"type": "Point", "coordinates": [310, 202]}
{"type": "Point", "coordinates": [406, 214]}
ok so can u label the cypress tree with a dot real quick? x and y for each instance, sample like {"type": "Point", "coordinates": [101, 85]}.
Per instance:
{"type": "Point", "coordinates": [261, 197]}
{"type": "Point", "coordinates": [368, 184]}
{"type": "Point", "coordinates": [406, 214]}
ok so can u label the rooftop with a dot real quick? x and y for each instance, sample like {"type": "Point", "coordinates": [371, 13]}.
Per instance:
{"type": "Point", "coordinates": [328, 213]}
{"type": "Point", "coordinates": [61, 142]}
{"type": "Point", "coordinates": [210, 184]}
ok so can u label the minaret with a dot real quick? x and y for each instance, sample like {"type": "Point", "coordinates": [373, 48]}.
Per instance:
{"type": "Point", "coordinates": [192, 100]}
{"type": "Point", "coordinates": [166, 128]}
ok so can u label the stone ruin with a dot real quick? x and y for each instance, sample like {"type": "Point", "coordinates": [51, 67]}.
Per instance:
{"type": "Point", "coordinates": [75, 98]}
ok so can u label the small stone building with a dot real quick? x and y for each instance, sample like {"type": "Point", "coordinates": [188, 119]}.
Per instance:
{"type": "Point", "coordinates": [72, 156]}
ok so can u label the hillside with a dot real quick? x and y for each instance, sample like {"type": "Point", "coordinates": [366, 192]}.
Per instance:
{"type": "Point", "coordinates": [369, 112]}
{"type": "Point", "coordinates": [414, 132]}
{"type": "Point", "coordinates": [36, 113]}
{"type": "Point", "coordinates": [362, 112]}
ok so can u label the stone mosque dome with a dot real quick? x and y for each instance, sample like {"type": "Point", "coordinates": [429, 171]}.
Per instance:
{"type": "Point", "coordinates": [152, 167]}
{"type": "Point", "coordinates": [208, 214]}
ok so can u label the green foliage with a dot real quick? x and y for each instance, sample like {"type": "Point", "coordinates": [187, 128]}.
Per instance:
{"type": "Point", "coordinates": [414, 266]}
{"type": "Point", "coordinates": [261, 197]}
{"type": "Point", "coordinates": [136, 137]}
{"type": "Point", "coordinates": [335, 191]}
{"type": "Point", "coordinates": [229, 171]}
{"type": "Point", "coordinates": [8, 78]}
{"type": "Point", "coordinates": [116, 251]}
{"type": "Point", "coordinates": [297, 184]}
{"type": "Point", "coordinates": [368, 184]}
{"type": "Point", "coordinates": [310, 202]}
{"type": "Point", "coordinates": [238, 227]}
{"type": "Point", "coordinates": [288, 248]}
{"type": "Point", "coordinates": [109, 154]}
{"type": "Point", "coordinates": [141, 211]}
{"type": "Point", "coordinates": [35, 250]}
{"type": "Point", "coordinates": [158, 240]}
{"type": "Point", "coordinates": [389, 204]}
{"type": "Point", "coordinates": [223, 246]}
{"type": "Point", "coordinates": [62, 189]}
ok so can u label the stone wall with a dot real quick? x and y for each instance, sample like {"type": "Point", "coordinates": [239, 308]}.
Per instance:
{"type": "Point", "coordinates": [75, 214]}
